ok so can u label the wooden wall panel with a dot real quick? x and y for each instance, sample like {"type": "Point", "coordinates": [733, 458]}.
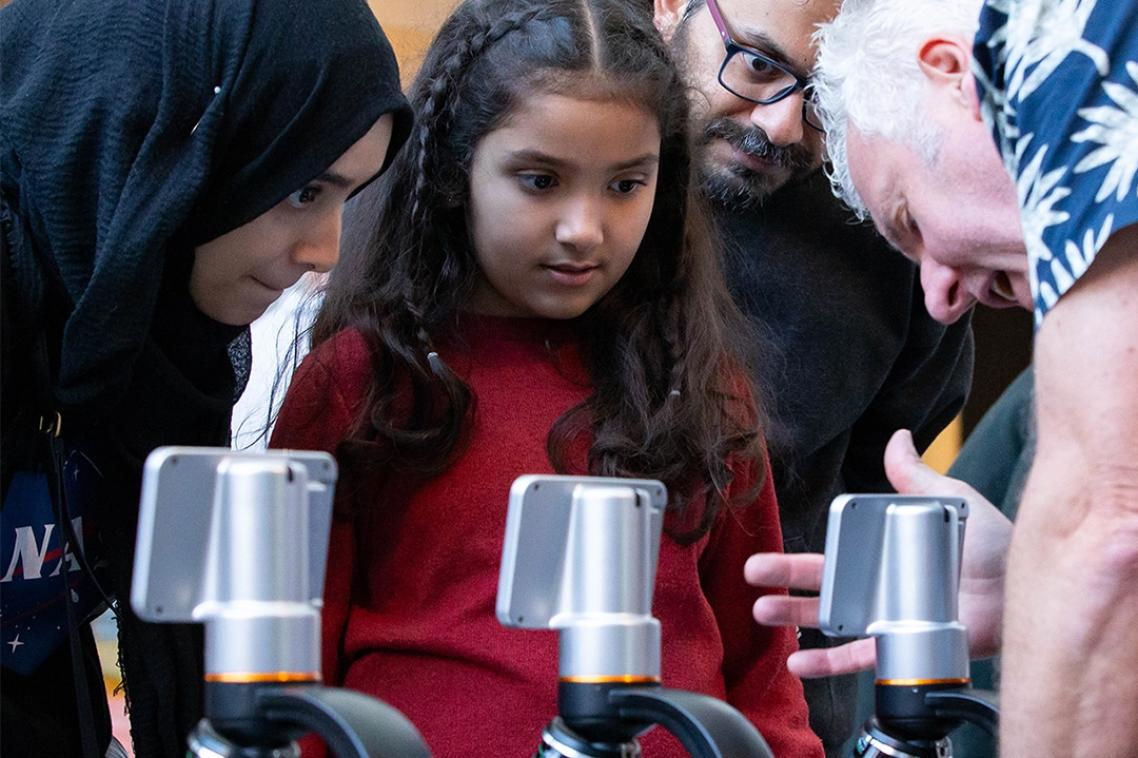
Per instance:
{"type": "Point", "coordinates": [410, 25]}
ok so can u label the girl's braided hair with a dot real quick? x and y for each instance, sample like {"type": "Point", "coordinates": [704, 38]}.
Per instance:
{"type": "Point", "coordinates": [666, 347]}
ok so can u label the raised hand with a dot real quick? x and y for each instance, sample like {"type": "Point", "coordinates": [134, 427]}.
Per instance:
{"type": "Point", "coordinates": [987, 537]}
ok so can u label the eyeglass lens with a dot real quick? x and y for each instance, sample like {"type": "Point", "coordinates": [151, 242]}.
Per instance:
{"type": "Point", "coordinates": [754, 78]}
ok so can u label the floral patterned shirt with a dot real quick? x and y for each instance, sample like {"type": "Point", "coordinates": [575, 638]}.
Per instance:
{"type": "Point", "coordinates": [1058, 83]}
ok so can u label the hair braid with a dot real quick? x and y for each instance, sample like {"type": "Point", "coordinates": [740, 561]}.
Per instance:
{"type": "Point", "coordinates": [431, 120]}
{"type": "Point", "coordinates": [437, 111]}
{"type": "Point", "coordinates": [673, 340]}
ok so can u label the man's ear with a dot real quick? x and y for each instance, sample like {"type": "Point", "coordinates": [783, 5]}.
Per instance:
{"type": "Point", "coordinates": [946, 61]}
{"type": "Point", "coordinates": [667, 15]}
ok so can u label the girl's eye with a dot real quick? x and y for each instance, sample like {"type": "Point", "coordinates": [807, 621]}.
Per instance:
{"type": "Point", "coordinates": [537, 182]}
{"type": "Point", "coordinates": [303, 196]}
{"type": "Point", "coordinates": [626, 186]}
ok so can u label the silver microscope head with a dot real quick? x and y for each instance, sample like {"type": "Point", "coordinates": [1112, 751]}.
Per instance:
{"type": "Point", "coordinates": [580, 556]}
{"type": "Point", "coordinates": [892, 571]}
{"type": "Point", "coordinates": [238, 542]}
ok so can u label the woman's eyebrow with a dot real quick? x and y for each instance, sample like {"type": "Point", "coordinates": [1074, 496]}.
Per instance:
{"type": "Point", "coordinates": [336, 180]}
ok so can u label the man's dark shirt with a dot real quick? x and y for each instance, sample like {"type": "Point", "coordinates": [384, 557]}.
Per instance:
{"type": "Point", "coordinates": [849, 356]}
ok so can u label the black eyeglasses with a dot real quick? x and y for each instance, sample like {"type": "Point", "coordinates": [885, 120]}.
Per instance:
{"type": "Point", "coordinates": [749, 74]}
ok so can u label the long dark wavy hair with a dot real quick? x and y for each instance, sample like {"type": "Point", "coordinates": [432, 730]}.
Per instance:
{"type": "Point", "coordinates": [666, 348]}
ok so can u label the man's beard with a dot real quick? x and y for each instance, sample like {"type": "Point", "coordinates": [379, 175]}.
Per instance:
{"type": "Point", "coordinates": [737, 186]}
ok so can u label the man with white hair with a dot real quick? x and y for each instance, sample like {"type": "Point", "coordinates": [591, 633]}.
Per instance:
{"type": "Point", "coordinates": [1043, 216]}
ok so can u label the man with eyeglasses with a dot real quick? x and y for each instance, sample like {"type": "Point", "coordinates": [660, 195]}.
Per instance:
{"type": "Point", "coordinates": [851, 354]}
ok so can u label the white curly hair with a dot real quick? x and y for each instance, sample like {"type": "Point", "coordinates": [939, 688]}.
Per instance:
{"type": "Point", "coordinates": [867, 75]}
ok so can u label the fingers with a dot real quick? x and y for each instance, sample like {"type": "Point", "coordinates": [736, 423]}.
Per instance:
{"type": "Point", "coordinates": [909, 475]}
{"type": "Point", "coordinates": [798, 571]}
{"type": "Point", "coordinates": [905, 469]}
{"type": "Point", "coordinates": [989, 531]}
{"type": "Point", "coordinates": [780, 610]}
{"type": "Point", "coordinates": [859, 655]}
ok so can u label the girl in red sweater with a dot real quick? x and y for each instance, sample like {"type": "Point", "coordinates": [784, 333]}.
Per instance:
{"type": "Point", "coordinates": [537, 293]}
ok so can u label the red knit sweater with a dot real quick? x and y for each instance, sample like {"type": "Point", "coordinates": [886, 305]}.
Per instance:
{"type": "Point", "coordinates": [417, 626]}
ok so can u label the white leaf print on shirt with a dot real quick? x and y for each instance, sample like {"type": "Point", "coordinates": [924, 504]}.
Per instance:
{"type": "Point", "coordinates": [1039, 35]}
{"type": "Point", "coordinates": [1116, 129]}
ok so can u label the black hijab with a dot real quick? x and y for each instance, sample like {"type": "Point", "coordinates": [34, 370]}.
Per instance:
{"type": "Point", "coordinates": [127, 125]}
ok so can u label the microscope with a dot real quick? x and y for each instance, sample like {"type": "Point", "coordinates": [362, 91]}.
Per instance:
{"type": "Point", "coordinates": [892, 571]}
{"type": "Point", "coordinates": [238, 542]}
{"type": "Point", "coordinates": [580, 556]}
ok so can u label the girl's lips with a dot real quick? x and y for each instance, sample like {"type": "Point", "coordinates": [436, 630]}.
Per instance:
{"type": "Point", "coordinates": [571, 276]}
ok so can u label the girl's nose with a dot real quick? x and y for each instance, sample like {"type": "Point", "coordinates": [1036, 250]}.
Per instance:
{"type": "Point", "coordinates": [581, 225]}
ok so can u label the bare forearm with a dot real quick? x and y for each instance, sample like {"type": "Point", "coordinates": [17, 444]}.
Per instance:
{"type": "Point", "coordinates": [1071, 623]}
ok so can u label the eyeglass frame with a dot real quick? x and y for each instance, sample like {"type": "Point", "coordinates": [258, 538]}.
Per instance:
{"type": "Point", "coordinates": [733, 48]}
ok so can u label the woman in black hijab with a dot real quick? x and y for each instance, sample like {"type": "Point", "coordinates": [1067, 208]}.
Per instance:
{"type": "Point", "coordinates": [168, 167]}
